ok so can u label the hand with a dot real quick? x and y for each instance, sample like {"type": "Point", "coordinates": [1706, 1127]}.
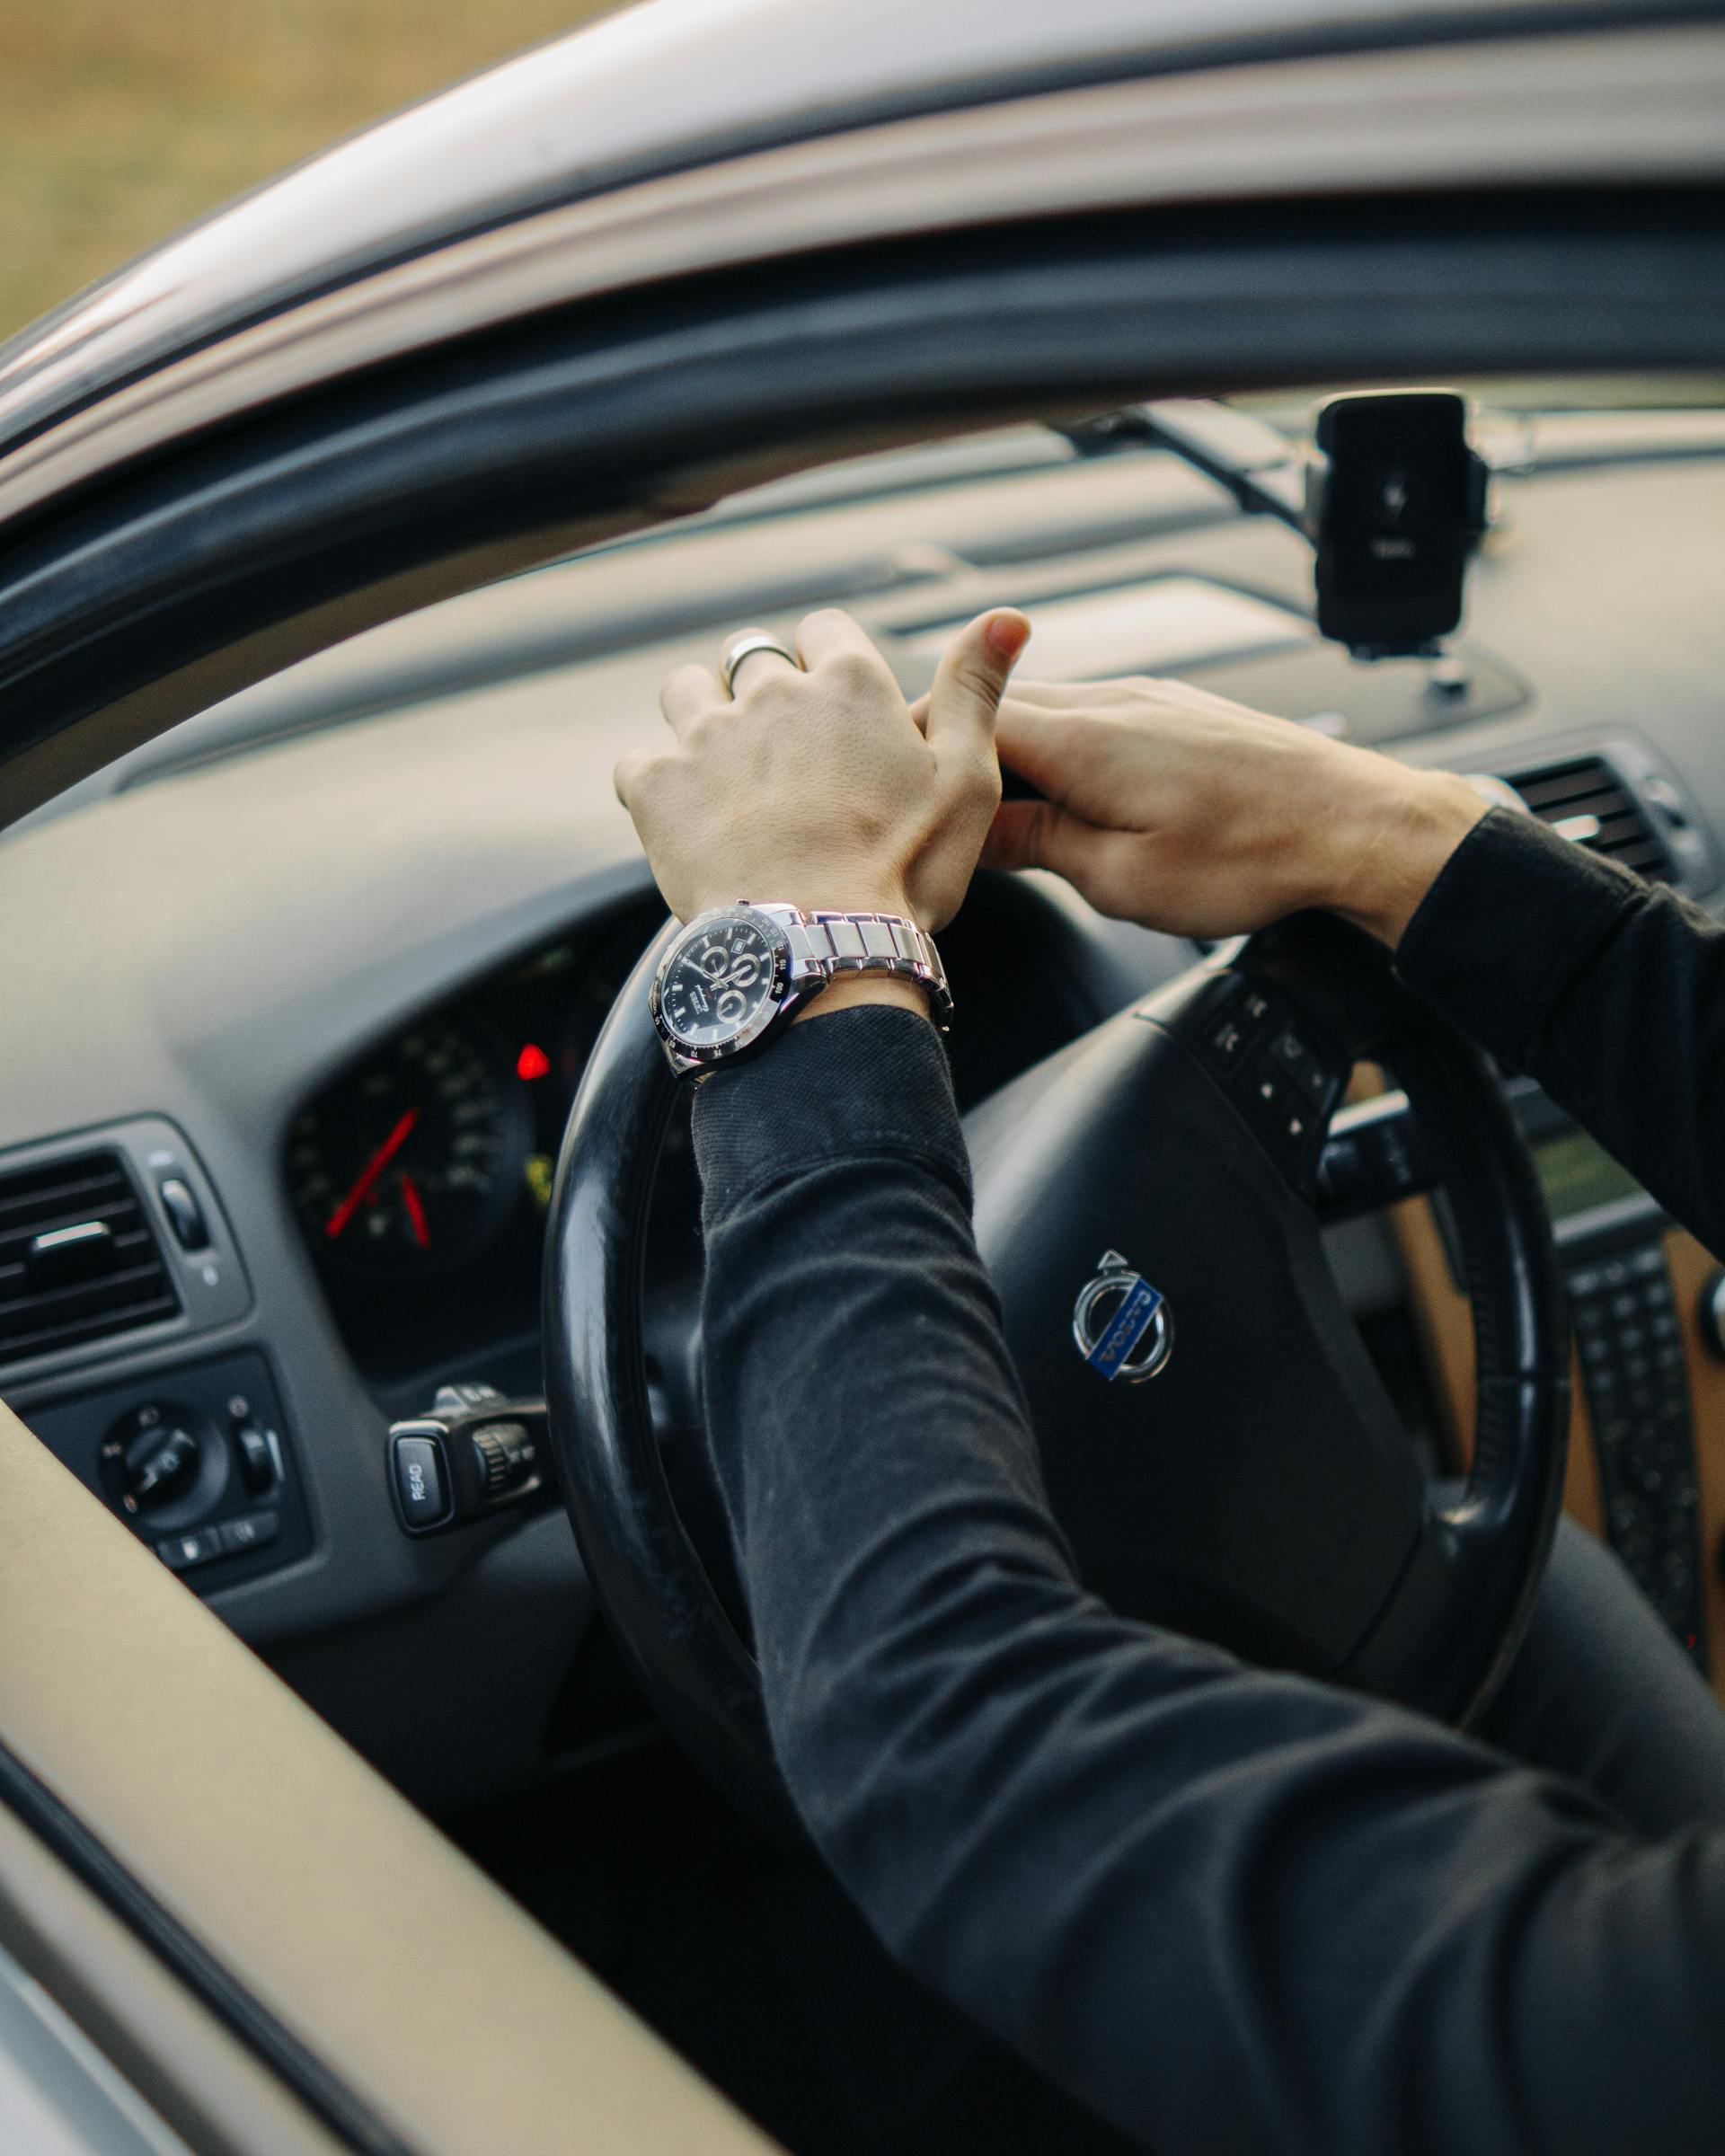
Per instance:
{"type": "Point", "coordinates": [1197, 817]}
{"type": "Point", "coordinates": [817, 787]}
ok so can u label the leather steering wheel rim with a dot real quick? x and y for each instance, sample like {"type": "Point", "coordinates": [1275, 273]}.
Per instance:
{"type": "Point", "coordinates": [1458, 1626]}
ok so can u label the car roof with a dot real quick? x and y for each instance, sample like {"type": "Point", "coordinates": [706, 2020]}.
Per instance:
{"type": "Point", "coordinates": [657, 88]}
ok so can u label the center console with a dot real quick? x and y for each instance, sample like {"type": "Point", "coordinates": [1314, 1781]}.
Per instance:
{"type": "Point", "coordinates": [1611, 1240]}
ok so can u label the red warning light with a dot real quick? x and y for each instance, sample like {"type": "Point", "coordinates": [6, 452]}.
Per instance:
{"type": "Point", "coordinates": [532, 1062]}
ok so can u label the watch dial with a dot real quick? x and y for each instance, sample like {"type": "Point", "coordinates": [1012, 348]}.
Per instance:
{"type": "Point", "coordinates": [717, 982]}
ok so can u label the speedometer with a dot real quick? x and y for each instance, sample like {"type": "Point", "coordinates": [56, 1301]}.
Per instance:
{"type": "Point", "coordinates": [414, 1161]}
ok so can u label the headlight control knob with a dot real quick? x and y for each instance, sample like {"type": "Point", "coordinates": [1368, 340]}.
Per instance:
{"type": "Point", "coordinates": [159, 1460]}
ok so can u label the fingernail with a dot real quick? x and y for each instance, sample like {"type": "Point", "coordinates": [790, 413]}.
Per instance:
{"type": "Point", "coordinates": [1008, 633]}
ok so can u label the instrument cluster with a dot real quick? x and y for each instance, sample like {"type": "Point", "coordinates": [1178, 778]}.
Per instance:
{"type": "Point", "coordinates": [421, 1174]}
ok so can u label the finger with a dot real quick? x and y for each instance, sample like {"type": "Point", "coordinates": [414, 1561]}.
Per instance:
{"type": "Point", "coordinates": [753, 665]}
{"type": "Point", "coordinates": [1040, 745]}
{"type": "Point", "coordinates": [970, 681]}
{"type": "Point", "coordinates": [1041, 834]}
{"type": "Point", "coordinates": [1055, 695]}
{"type": "Point", "coordinates": [630, 776]}
{"type": "Point", "coordinates": [688, 694]}
{"type": "Point", "coordinates": [919, 712]}
{"type": "Point", "coordinates": [831, 634]}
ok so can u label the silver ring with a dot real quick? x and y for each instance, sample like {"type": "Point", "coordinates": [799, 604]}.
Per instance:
{"type": "Point", "coordinates": [744, 647]}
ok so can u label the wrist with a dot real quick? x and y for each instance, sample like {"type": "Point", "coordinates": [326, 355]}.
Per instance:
{"type": "Point", "coordinates": [813, 893]}
{"type": "Point", "coordinates": [1389, 848]}
{"type": "Point", "coordinates": [845, 991]}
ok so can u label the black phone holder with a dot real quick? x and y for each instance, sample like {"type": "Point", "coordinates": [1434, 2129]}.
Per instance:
{"type": "Point", "coordinates": [1391, 495]}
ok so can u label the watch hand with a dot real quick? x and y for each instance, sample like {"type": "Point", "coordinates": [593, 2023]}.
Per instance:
{"type": "Point", "coordinates": [370, 1173]}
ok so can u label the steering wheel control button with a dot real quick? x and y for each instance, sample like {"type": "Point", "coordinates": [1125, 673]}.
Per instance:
{"type": "Point", "coordinates": [1282, 1112]}
{"type": "Point", "coordinates": [1236, 1018]}
{"type": "Point", "coordinates": [1292, 1056]}
{"type": "Point", "coordinates": [1121, 1324]}
{"type": "Point", "coordinates": [185, 1214]}
{"type": "Point", "coordinates": [419, 1478]}
{"type": "Point", "coordinates": [1271, 1058]}
{"type": "Point", "coordinates": [1227, 1041]}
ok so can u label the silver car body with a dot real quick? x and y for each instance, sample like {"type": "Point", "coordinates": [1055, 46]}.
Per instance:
{"type": "Point", "coordinates": [682, 136]}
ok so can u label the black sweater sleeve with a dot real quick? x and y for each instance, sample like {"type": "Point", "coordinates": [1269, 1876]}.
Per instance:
{"type": "Point", "coordinates": [1233, 1911]}
{"type": "Point", "coordinates": [1608, 990]}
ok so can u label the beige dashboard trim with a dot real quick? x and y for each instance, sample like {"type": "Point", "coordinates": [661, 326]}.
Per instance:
{"type": "Point", "coordinates": [1613, 107]}
{"type": "Point", "coordinates": [461, 2025]}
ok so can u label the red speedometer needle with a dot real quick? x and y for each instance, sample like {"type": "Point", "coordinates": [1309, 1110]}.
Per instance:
{"type": "Point", "coordinates": [370, 1173]}
{"type": "Point", "coordinates": [415, 1206]}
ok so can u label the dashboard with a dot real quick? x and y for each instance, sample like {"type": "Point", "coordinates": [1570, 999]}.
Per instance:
{"type": "Point", "coordinates": [324, 966]}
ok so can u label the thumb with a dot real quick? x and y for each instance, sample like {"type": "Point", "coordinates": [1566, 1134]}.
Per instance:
{"type": "Point", "coordinates": [970, 682]}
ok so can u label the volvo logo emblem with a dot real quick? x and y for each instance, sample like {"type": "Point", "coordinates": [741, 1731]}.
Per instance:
{"type": "Point", "coordinates": [1122, 1326]}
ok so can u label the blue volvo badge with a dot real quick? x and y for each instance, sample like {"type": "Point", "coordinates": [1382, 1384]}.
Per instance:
{"type": "Point", "coordinates": [1122, 1326]}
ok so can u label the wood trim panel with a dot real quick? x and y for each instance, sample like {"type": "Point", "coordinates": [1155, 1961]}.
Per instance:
{"type": "Point", "coordinates": [1446, 1328]}
{"type": "Point", "coordinates": [1692, 1267]}
{"type": "Point", "coordinates": [1441, 1317]}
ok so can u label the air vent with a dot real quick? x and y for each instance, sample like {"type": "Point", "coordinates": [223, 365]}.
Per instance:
{"type": "Point", "coordinates": [1589, 801]}
{"type": "Point", "coordinates": [78, 1258]}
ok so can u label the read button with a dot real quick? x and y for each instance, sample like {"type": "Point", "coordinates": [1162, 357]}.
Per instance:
{"type": "Point", "coordinates": [421, 1488]}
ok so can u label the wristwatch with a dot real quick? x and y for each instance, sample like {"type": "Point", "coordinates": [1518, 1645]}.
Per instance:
{"type": "Point", "coordinates": [739, 974]}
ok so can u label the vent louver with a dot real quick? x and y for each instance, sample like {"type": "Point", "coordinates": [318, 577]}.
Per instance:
{"type": "Point", "coordinates": [1584, 798]}
{"type": "Point", "coordinates": [78, 1257]}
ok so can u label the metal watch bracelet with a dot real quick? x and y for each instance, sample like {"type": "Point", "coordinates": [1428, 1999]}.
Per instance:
{"type": "Point", "coordinates": [826, 945]}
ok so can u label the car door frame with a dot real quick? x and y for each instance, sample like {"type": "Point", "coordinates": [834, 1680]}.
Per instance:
{"type": "Point", "coordinates": [154, 582]}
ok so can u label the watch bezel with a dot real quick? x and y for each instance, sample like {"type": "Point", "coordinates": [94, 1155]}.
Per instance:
{"type": "Point", "coordinates": [696, 1056]}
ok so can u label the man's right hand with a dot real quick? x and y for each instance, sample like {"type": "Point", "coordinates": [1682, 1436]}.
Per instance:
{"type": "Point", "coordinates": [1199, 817]}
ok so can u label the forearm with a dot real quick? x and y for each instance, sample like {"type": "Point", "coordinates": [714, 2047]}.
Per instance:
{"type": "Point", "coordinates": [1610, 992]}
{"type": "Point", "coordinates": [1233, 1911]}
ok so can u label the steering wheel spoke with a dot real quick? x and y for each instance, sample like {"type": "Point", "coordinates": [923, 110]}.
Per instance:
{"type": "Point", "coordinates": [1256, 1485]}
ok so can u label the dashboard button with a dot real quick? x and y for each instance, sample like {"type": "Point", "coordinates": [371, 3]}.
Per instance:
{"type": "Point", "coordinates": [257, 1465]}
{"type": "Point", "coordinates": [251, 1530]}
{"type": "Point", "coordinates": [185, 1214]}
{"type": "Point", "coordinates": [181, 1552]}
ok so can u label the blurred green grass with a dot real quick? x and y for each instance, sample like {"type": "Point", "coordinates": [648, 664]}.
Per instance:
{"type": "Point", "coordinates": [121, 120]}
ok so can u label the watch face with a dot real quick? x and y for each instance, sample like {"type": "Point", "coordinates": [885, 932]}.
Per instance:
{"type": "Point", "coordinates": [718, 982]}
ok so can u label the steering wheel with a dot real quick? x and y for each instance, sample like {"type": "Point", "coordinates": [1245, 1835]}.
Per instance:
{"type": "Point", "coordinates": [1216, 1444]}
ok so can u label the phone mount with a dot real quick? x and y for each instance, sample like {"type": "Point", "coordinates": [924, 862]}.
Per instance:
{"type": "Point", "coordinates": [1391, 494]}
